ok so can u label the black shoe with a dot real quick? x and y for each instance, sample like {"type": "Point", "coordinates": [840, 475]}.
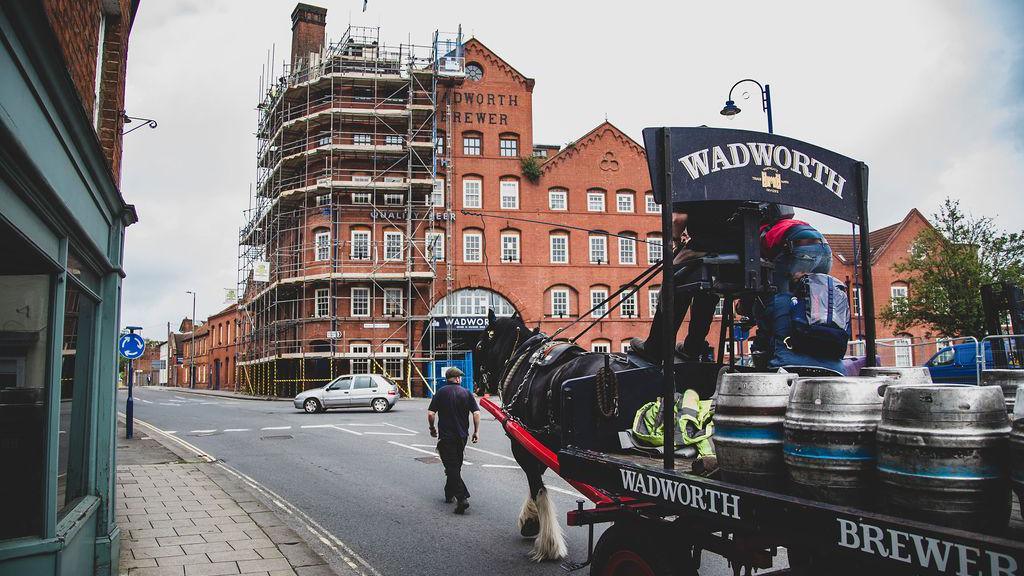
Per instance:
{"type": "Point", "coordinates": [460, 508]}
{"type": "Point", "coordinates": [707, 355]}
{"type": "Point", "coordinates": [639, 347]}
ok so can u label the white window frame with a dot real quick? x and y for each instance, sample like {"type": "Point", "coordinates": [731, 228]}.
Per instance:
{"type": "Point", "coordinates": [558, 294]}
{"type": "Point", "coordinates": [598, 249]}
{"type": "Point", "coordinates": [362, 139]}
{"type": "Point", "coordinates": [394, 199]}
{"type": "Point", "coordinates": [509, 191]}
{"type": "Point", "coordinates": [322, 303]}
{"type": "Point", "coordinates": [510, 249]}
{"type": "Point", "coordinates": [903, 352]}
{"type": "Point", "coordinates": [654, 246]}
{"type": "Point", "coordinates": [476, 150]}
{"type": "Point", "coordinates": [652, 300]}
{"type": "Point", "coordinates": [394, 302]}
{"type": "Point", "coordinates": [472, 193]}
{"type": "Point", "coordinates": [597, 296]}
{"type": "Point", "coordinates": [394, 360]}
{"type": "Point", "coordinates": [624, 347]}
{"type": "Point", "coordinates": [857, 304]}
{"type": "Point", "coordinates": [439, 144]}
{"type": "Point", "coordinates": [595, 202]}
{"type": "Point", "coordinates": [651, 205]}
{"type": "Point", "coordinates": [394, 140]}
{"type": "Point", "coordinates": [563, 196]}
{"type": "Point", "coordinates": [624, 202]}
{"type": "Point", "coordinates": [563, 239]}
{"type": "Point", "coordinates": [362, 353]}
{"type": "Point", "coordinates": [628, 298]}
{"type": "Point", "coordinates": [362, 197]}
{"type": "Point", "coordinates": [360, 294]}
{"type": "Point", "coordinates": [434, 247]}
{"type": "Point", "coordinates": [361, 238]}
{"type": "Point", "coordinates": [466, 236]}
{"type": "Point", "coordinates": [601, 346]}
{"type": "Point", "coordinates": [719, 308]}
{"type": "Point", "coordinates": [322, 246]}
{"type": "Point", "coordinates": [897, 292]}
{"type": "Point", "coordinates": [323, 200]}
{"type": "Point", "coordinates": [627, 251]}
{"type": "Point", "coordinates": [393, 252]}
{"type": "Point", "coordinates": [98, 85]}
{"type": "Point", "coordinates": [436, 198]}
{"type": "Point", "coordinates": [506, 151]}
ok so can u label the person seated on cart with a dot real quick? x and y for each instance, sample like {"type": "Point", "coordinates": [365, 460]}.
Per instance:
{"type": "Point", "coordinates": [702, 228]}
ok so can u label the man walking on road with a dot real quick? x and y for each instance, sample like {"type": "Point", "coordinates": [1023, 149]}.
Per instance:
{"type": "Point", "coordinates": [455, 404]}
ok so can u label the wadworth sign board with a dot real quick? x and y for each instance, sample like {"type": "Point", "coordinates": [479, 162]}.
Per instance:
{"type": "Point", "coordinates": [720, 164]}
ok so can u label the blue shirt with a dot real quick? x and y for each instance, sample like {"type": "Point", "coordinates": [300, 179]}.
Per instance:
{"type": "Point", "coordinates": [453, 405]}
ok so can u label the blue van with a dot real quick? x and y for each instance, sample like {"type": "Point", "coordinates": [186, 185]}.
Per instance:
{"type": "Point", "coordinates": [958, 364]}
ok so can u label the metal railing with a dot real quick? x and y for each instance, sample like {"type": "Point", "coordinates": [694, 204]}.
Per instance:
{"type": "Point", "coordinates": [890, 351]}
{"type": "Point", "coordinates": [1011, 348]}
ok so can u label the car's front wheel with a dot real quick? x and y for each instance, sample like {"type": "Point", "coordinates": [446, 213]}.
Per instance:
{"type": "Point", "coordinates": [311, 406]}
{"type": "Point", "coordinates": [380, 405]}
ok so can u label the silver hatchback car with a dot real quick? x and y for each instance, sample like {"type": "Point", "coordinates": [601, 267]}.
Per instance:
{"type": "Point", "coordinates": [350, 391]}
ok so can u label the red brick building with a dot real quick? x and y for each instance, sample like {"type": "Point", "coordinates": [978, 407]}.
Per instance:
{"type": "Point", "coordinates": [222, 354]}
{"type": "Point", "coordinates": [190, 354]}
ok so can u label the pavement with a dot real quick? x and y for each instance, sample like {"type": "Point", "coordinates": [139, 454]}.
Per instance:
{"type": "Point", "coordinates": [364, 490]}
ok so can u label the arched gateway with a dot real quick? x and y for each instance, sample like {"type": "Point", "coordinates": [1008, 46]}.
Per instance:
{"type": "Point", "coordinates": [457, 320]}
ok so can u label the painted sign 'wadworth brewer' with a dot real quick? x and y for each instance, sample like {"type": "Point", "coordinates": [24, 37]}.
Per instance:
{"type": "Point", "coordinates": [719, 164]}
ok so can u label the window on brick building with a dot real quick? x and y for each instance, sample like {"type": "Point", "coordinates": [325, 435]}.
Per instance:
{"type": "Point", "coordinates": [360, 301]}
{"type": "Point", "coordinates": [393, 140]}
{"type": "Point", "coordinates": [393, 199]}
{"type": "Point", "coordinates": [652, 206]}
{"type": "Point", "coordinates": [559, 249]}
{"type": "Point", "coordinates": [509, 194]}
{"type": "Point", "coordinates": [598, 249]}
{"type": "Point", "coordinates": [472, 193]}
{"type": "Point", "coordinates": [361, 197]}
{"type": "Point", "coordinates": [472, 246]}
{"type": "Point", "coordinates": [510, 247]}
{"type": "Point", "coordinates": [360, 245]}
{"type": "Point", "coordinates": [322, 303]}
{"type": "Point", "coordinates": [323, 200]}
{"type": "Point", "coordinates": [560, 302]}
{"type": "Point", "coordinates": [394, 246]}
{"type": "Point", "coordinates": [856, 302]}
{"type": "Point", "coordinates": [435, 246]}
{"type": "Point", "coordinates": [558, 199]}
{"type": "Point", "coordinates": [360, 362]}
{"type": "Point", "coordinates": [624, 347]}
{"type": "Point", "coordinates": [652, 300]}
{"type": "Point", "coordinates": [899, 294]}
{"type": "Point", "coordinates": [904, 351]}
{"type": "Point", "coordinates": [471, 144]}
{"type": "Point", "coordinates": [653, 248]}
{"type": "Point", "coordinates": [718, 307]}
{"type": "Point", "coordinates": [628, 307]}
{"type": "Point", "coordinates": [627, 250]}
{"type": "Point", "coordinates": [598, 302]}
{"type": "Point", "coordinates": [439, 144]}
{"type": "Point", "coordinates": [624, 201]}
{"type": "Point", "coordinates": [98, 82]}
{"type": "Point", "coordinates": [322, 243]}
{"type": "Point", "coordinates": [437, 194]}
{"type": "Point", "coordinates": [509, 145]}
{"type": "Point", "coordinates": [362, 139]}
{"type": "Point", "coordinates": [602, 346]}
{"type": "Point", "coordinates": [393, 302]}
{"type": "Point", "coordinates": [595, 201]}
{"type": "Point", "coordinates": [394, 360]}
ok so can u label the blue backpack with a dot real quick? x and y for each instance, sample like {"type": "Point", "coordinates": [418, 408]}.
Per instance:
{"type": "Point", "coordinates": [820, 315]}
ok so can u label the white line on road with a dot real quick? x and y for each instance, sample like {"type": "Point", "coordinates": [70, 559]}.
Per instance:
{"type": "Point", "coordinates": [500, 466]}
{"type": "Point", "coordinates": [202, 431]}
{"type": "Point", "coordinates": [236, 429]}
{"type": "Point", "coordinates": [355, 424]}
{"type": "Point", "coordinates": [414, 447]}
{"type": "Point", "coordinates": [169, 404]}
{"type": "Point", "coordinates": [389, 433]}
{"type": "Point", "coordinates": [318, 426]}
{"type": "Point", "coordinates": [347, 430]}
{"type": "Point", "coordinates": [400, 427]}
{"type": "Point", "coordinates": [276, 428]}
{"type": "Point", "coordinates": [572, 493]}
{"type": "Point", "coordinates": [493, 454]}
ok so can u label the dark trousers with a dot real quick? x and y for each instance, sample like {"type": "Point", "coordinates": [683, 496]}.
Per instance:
{"type": "Point", "coordinates": [451, 451]}
{"type": "Point", "coordinates": [703, 314]}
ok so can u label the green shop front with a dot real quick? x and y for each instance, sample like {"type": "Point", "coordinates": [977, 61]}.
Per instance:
{"type": "Point", "coordinates": [62, 222]}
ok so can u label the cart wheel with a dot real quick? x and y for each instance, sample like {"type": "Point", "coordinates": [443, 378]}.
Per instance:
{"type": "Point", "coordinates": [632, 551]}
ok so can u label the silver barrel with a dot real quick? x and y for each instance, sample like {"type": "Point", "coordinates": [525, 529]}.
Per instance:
{"type": "Point", "coordinates": [1017, 456]}
{"type": "Point", "coordinates": [1007, 379]}
{"type": "Point", "coordinates": [942, 453]}
{"type": "Point", "coordinates": [829, 439]}
{"type": "Point", "coordinates": [749, 412]}
{"type": "Point", "coordinates": [911, 375]}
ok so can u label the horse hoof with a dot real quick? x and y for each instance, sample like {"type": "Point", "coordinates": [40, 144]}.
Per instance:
{"type": "Point", "coordinates": [530, 528]}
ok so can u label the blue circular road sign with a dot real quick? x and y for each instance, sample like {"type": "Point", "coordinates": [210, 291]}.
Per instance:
{"type": "Point", "coordinates": [131, 346]}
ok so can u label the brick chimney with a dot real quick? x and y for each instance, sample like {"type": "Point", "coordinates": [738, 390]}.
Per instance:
{"type": "Point", "coordinates": [308, 25]}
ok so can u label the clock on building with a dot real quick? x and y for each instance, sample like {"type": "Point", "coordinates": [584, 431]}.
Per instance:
{"type": "Point", "coordinates": [474, 72]}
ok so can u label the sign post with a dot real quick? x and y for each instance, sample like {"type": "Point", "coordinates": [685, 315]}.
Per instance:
{"type": "Point", "coordinates": [131, 346]}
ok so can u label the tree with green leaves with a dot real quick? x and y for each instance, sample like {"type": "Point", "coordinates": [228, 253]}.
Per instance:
{"type": "Point", "coordinates": [947, 267]}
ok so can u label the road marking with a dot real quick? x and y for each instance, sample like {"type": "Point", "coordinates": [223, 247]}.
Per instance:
{"type": "Point", "coordinates": [347, 430]}
{"type": "Point", "coordinates": [143, 400]}
{"type": "Point", "coordinates": [389, 433]}
{"type": "Point", "coordinates": [236, 429]}
{"type": "Point", "coordinates": [318, 426]}
{"type": "Point", "coordinates": [276, 428]}
{"type": "Point", "coordinates": [207, 403]}
{"type": "Point", "coordinates": [572, 493]}
{"type": "Point", "coordinates": [201, 431]}
{"type": "Point", "coordinates": [413, 447]}
{"type": "Point", "coordinates": [493, 454]}
{"type": "Point", "coordinates": [399, 427]}
{"type": "Point", "coordinates": [355, 424]}
{"type": "Point", "coordinates": [500, 466]}
{"type": "Point", "coordinates": [168, 433]}
{"type": "Point", "coordinates": [169, 404]}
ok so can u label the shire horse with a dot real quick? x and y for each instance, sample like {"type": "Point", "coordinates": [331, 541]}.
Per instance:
{"type": "Point", "coordinates": [527, 368]}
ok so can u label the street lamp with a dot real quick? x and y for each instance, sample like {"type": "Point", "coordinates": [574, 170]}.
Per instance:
{"type": "Point", "coordinates": [192, 348]}
{"type": "Point", "coordinates": [731, 109]}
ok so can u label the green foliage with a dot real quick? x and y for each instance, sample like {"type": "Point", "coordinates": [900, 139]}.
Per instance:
{"type": "Point", "coordinates": [947, 266]}
{"type": "Point", "coordinates": [531, 168]}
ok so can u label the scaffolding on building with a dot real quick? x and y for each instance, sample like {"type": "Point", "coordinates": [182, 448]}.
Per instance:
{"type": "Point", "coordinates": [340, 254]}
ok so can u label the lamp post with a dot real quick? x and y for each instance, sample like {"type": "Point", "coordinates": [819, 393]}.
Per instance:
{"type": "Point", "coordinates": [192, 347]}
{"type": "Point", "coordinates": [731, 109]}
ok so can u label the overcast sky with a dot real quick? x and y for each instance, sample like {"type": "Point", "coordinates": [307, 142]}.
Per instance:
{"type": "Point", "coordinates": [928, 93]}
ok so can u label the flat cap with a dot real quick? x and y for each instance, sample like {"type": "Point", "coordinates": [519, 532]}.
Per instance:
{"type": "Point", "coordinates": [452, 373]}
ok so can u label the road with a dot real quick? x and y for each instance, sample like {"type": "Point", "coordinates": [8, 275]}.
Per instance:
{"type": "Point", "coordinates": [372, 480]}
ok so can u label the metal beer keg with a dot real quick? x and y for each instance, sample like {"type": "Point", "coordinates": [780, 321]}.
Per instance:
{"type": "Point", "coordinates": [1008, 380]}
{"type": "Point", "coordinates": [1017, 454]}
{"type": "Point", "coordinates": [911, 375]}
{"type": "Point", "coordinates": [749, 412]}
{"type": "Point", "coordinates": [829, 439]}
{"type": "Point", "coordinates": [942, 454]}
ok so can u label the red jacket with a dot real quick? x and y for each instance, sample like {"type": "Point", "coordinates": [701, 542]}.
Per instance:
{"type": "Point", "coordinates": [773, 236]}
